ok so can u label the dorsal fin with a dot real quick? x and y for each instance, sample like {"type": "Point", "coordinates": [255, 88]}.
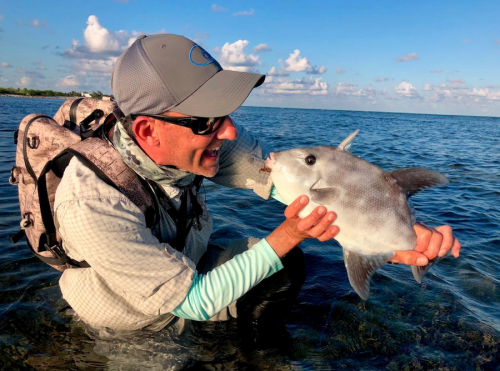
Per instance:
{"type": "Point", "coordinates": [413, 180]}
{"type": "Point", "coordinates": [347, 142]}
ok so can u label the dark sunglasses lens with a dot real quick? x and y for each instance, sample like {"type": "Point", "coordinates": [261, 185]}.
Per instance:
{"type": "Point", "coordinates": [207, 126]}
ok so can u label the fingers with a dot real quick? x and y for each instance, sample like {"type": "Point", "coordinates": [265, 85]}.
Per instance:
{"type": "Point", "coordinates": [429, 240]}
{"type": "Point", "coordinates": [411, 257]}
{"type": "Point", "coordinates": [455, 250]}
{"type": "Point", "coordinates": [317, 224]}
{"type": "Point", "coordinates": [331, 232]}
{"type": "Point", "coordinates": [294, 208]}
{"type": "Point", "coordinates": [321, 227]}
{"type": "Point", "coordinates": [449, 242]}
{"type": "Point", "coordinates": [313, 219]}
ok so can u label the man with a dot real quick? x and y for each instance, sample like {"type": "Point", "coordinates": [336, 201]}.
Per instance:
{"type": "Point", "coordinates": [176, 100]}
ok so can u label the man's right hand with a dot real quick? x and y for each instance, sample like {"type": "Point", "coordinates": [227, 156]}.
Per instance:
{"type": "Point", "coordinates": [294, 229]}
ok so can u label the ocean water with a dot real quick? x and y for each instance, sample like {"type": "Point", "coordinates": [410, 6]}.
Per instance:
{"type": "Point", "coordinates": [449, 322]}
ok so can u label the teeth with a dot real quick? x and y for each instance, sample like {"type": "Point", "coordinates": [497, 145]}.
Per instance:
{"type": "Point", "coordinates": [212, 152]}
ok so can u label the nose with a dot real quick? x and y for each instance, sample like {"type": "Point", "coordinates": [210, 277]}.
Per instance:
{"type": "Point", "coordinates": [227, 130]}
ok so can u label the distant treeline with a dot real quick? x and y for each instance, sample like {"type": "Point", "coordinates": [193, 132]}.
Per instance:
{"type": "Point", "coordinates": [47, 93]}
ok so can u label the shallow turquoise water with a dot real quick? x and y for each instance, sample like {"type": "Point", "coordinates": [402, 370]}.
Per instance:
{"type": "Point", "coordinates": [450, 321]}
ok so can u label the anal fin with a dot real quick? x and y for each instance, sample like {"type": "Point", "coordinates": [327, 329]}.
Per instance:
{"type": "Point", "coordinates": [360, 269]}
{"type": "Point", "coordinates": [419, 271]}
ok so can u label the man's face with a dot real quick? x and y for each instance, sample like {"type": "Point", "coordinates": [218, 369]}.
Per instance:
{"type": "Point", "coordinates": [198, 154]}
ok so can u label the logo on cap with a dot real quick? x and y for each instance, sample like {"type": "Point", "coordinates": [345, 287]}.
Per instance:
{"type": "Point", "coordinates": [205, 55]}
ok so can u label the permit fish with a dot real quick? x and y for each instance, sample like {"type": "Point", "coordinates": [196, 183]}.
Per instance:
{"type": "Point", "coordinates": [373, 212]}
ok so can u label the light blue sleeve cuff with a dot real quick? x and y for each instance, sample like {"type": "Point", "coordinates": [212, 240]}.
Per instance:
{"type": "Point", "coordinates": [270, 254]}
{"type": "Point", "coordinates": [215, 290]}
{"type": "Point", "coordinates": [276, 195]}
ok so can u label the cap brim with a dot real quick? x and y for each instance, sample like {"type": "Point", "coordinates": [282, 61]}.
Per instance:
{"type": "Point", "coordinates": [220, 95]}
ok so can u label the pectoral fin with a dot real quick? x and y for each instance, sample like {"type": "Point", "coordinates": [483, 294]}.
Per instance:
{"type": "Point", "coordinates": [323, 194]}
{"type": "Point", "coordinates": [360, 269]}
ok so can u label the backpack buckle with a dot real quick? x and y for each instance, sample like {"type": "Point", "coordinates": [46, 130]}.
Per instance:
{"type": "Point", "coordinates": [34, 142]}
{"type": "Point", "coordinates": [56, 250]}
{"type": "Point", "coordinates": [85, 127]}
{"type": "Point", "coordinates": [14, 175]}
{"type": "Point", "coordinates": [27, 220]}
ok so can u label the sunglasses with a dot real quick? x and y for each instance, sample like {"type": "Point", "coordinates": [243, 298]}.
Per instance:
{"type": "Point", "coordinates": [199, 125]}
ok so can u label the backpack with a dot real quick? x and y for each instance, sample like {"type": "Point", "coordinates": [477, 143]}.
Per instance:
{"type": "Point", "coordinates": [45, 146]}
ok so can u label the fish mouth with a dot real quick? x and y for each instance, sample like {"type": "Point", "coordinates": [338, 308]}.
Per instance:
{"type": "Point", "coordinates": [270, 160]}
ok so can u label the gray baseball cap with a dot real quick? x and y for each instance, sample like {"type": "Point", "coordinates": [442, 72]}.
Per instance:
{"type": "Point", "coordinates": [165, 72]}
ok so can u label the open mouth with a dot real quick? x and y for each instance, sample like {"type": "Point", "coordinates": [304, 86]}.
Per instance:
{"type": "Point", "coordinates": [270, 160]}
{"type": "Point", "coordinates": [212, 153]}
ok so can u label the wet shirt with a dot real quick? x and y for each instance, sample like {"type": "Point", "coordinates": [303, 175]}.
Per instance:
{"type": "Point", "coordinates": [136, 279]}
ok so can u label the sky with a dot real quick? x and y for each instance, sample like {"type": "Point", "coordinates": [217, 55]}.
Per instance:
{"type": "Point", "coordinates": [420, 56]}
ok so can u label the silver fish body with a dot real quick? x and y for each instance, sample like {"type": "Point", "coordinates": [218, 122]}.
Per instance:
{"type": "Point", "coordinates": [371, 204]}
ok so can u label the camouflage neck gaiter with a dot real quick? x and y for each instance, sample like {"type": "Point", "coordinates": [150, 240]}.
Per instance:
{"type": "Point", "coordinates": [143, 165]}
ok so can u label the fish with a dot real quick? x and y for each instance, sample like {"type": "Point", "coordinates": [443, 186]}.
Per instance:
{"type": "Point", "coordinates": [374, 214]}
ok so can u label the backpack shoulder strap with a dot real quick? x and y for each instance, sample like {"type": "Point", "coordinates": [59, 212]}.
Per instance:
{"type": "Point", "coordinates": [108, 165]}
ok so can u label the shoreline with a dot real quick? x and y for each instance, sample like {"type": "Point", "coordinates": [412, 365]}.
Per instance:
{"type": "Point", "coordinates": [35, 96]}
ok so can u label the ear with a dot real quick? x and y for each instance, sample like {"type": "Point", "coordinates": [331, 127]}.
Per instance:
{"type": "Point", "coordinates": [145, 133]}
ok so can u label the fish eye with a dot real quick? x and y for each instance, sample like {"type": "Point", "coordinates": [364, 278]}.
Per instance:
{"type": "Point", "coordinates": [310, 160]}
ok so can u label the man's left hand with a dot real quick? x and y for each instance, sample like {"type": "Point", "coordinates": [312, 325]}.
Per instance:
{"type": "Point", "coordinates": [431, 243]}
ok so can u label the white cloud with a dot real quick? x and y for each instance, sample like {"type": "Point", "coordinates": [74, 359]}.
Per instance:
{"type": "Point", "coordinates": [296, 63]}
{"type": "Point", "coordinates": [405, 89]}
{"type": "Point", "coordinates": [98, 38]}
{"type": "Point", "coordinates": [217, 8]}
{"type": "Point", "coordinates": [37, 23]}
{"type": "Point", "coordinates": [485, 94]}
{"type": "Point", "coordinates": [456, 91]}
{"type": "Point", "coordinates": [233, 57]}
{"type": "Point", "coordinates": [94, 67]}
{"type": "Point", "coordinates": [5, 65]}
{"type": "Point", "coordinates": [304, 86]}
{"type": "Point", "coordinates": [37, 62]}
{"type": "Point", "coordinates": [381, 79]}
{"type": "Point", "coordinates": [340, 70]}
{"type": "Point", "coordinates": [34, 74]}
{"type": "Point", "coordinates": [274, 72]}
{"type": "Point", "coordinates": [71, 81]}
{"type": "Point", "coordinates": [317, 71]}
{"type": "Point", "coordinates": [456, 81]}
{"type": "Point", "coordinates": [24, 81]}
{"type": "Point", "coordinates": [351, 90]}
{"type": "Point", "coordinates": [3, 79]}
{"type": "Point", "coordinates": [262, 48]}
{"type": "Point", "coordinates": [408, 57]}
{"type": "Point", "coordinates": [244, 12]}
{"type": "Point", "coordinates": [436, 71]}
{"type": "Point", "coordinates": [34, 23]}
{"type": "Point", "coordinates": [99, 43]}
